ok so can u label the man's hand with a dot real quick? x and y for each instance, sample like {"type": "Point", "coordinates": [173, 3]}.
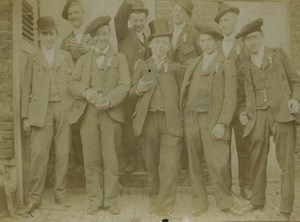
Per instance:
{"type": "Point", "coordinates": [143, 86]}
{"type": "Point", "coordinates": [293, 106]}
{"type": "Point", "coordinates": [26, 126]}
{"type": "Point", "coordinates": [91, 95]}
{"type": "Point", "coordinates": [218, 131]}
{"type": "Point", "coordinates": [103, 104]}
{"type": "Point", "coordinates": [243, 118]}
{"type": "Point", "coordinates": [71, 44]}
{"type": "Point", "coordinates": [83, 48]}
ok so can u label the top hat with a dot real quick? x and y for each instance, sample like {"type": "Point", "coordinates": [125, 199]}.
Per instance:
{"type": "Point", "coordinates": [45, 24]}
{"type": "Point", "coordinates": [139, 7]}
{"type": "Point", "coordinates": [186, 4]}
{"type": "Point", "coordinates": [210, 30]}
{"type": "Point", "coordinates": [159, 27]}
{"type": "Point", "coordinates": [224, 8]}
{"type": "Point", "coordinates": [66, 8]}
{"type": "Point", "coordinates": [98, 22]}
{"type": "Point", "coordinates": [254, 26]}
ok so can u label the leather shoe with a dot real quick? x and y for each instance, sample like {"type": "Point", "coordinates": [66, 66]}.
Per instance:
{"type": "Point", "coordinates": [63, 202]}
{"type": "Point", "coordinates": [113, 210]}
{"type": "Point", "coordinates": [283, 217]}
{"type": "Point", "coordinates": [28, 209]}
{"type": "Point", "coordinates": [235, 211]}
{"type": "Point", "coordinates": [250, 208]}
{"type": "Point", "coordinates": [246, 194]}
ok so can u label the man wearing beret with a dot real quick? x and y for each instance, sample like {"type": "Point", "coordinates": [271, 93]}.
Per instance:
{"type": "Point", "coordinates": [269, 107]}
{"type": "Point", "coordinates": [45, 106]}
{"type": "Point", "coordinates": [207, 102]}
{"type": "Point", "coordinates": [133, 43]}
{"type": "Point", "coordinates": [77, 43]}
{"type": "Point", "coordinates": [234, 49]}
{"type": "Point", "coordinates": [157, 120]}
{"type": "Point", "coordinates": [101, 82]}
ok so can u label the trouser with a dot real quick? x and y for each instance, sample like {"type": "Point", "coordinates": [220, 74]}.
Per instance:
{"type": "Point", "coordinates": [161, 151]}
{"type": "Point", "coordinates": [57, 126]}
{"type": "Point", "coordinates": [259, 142]}
{"type": "Point", "coordinates": [76, 144]}
{"type": "Point", "coordinates": [200, 144]}
{"type": "Point", "coordinates": [243, 152]}
{"type": "Point", "coordinates": [101, 137]}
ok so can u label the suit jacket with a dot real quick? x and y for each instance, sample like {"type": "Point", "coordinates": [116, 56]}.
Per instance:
{"type": "Point", "coordinates": [86, 38]}
{"type": "Point", "coordinates": [169, 76]}
{"type": "Point", "coordinates": [223, 94]}
{"type": "Point", "coordinates": [128, 42]}
{"type": "Point", "coordinates": [187, 46]}
{"type": "Point", "coordinates": [277, 65]}
{"type": "Point", "coordinates": [35, 90]}
{"type": "Point", "coordinates": [116, 83]}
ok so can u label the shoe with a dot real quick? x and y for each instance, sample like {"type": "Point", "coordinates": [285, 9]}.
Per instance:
{"type": "Point", "coordinates": [235, 211]}
{"type": "Point", "coordinates": [283, 217]}
{"type": "Point", "coordinates": [250, 208]}
{"type": "Point", "coordinates": [170, 215]}
{"type": "Point", "coordinates": [63, 202]}
{"type": "Point", "coordinates": [198, 212]}
{"type": "Point", "coordinates": [92, 209]}
{"type": "Point", "coordinates": [113, 210]}
{"type": "Point", "coordinates": [28, 209]}
{"type": "Point", "coordinates": [246, 194]}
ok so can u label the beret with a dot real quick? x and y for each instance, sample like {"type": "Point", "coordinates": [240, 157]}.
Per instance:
{"type": "Point", "coordinates": [98, 22]}
{"type": "Point", "coordinates": [224, 8]}
{"type": "Point", "coordinates": [66, 8]}
{"type": "Point", "coordinates": [250, 27]}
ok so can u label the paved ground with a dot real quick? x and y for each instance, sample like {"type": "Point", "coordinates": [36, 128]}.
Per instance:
{"type": "Point", "coordinates": [134, 204]}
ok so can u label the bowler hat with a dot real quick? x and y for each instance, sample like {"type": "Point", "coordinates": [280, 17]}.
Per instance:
{"type": "Point", "coordinates": [45, 24]}
{"type": "Point", "coordinates": [98, 22]}
{"type": "Point", "coordinates": [210, 30]}
{"type": "Point", "coordinates": [186, 4]}
{"type": "Point", "coordinates": [66, 8]}
{"type": "Point", "coordinates": [224, 8]}
{"type": "Point", "coordinates": [140, 7]}
{"type": "Point", "coordinates": [254, 26]}
{"type": "Point", "coordinates": [159, 27]}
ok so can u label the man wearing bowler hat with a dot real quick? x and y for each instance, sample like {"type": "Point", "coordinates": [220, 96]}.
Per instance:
{"type": "Point", "coordinates": [157, 120]}
{"type": "Point", "coordinates": [184, 35]}
{"type": "Point", "coordinates": [234, 49]}
{"type": "Point", "coordinates": [269, 107]}
{"type": "Point", "coordinates": [101, 82]}
{"type": "Point", "coordinates": [207, 102]}
{"type": "Point", "coordinates": [45, 109]}
{"type": "Point", "coordinates": [133, 43]}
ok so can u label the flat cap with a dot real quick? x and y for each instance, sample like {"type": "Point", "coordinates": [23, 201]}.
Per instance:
{"type": "Point", "coordinates": [64, 13]}
{"type": "Point", "coordinates": [186, 4]}
{"type": "Point", "coordinates": [140, 7]}
{"type": "Point", "coordinates": [250, 27]}
{"type": "Point", "coordinates": [45, 24]}
{"type": "Point", "coordinates": [98, 22]}
{"type": "Point", "coordinates": [224, 8]}
{"type": "Point", "coordinates": [209, 29]}
{"type": "Point", "coordinates": [159, 27]}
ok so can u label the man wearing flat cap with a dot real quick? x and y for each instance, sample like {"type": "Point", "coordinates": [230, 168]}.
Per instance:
{"type": "Point", "coordinates": [207, 102]}
{"type": "Point", "coordinates": [45, 108]}
{"type": "Point", "coordinates": [77, 43]}
{"type": "Point", "coordinates": [234, 49]}
{"type": "Point", "coordinates": [101, 82]}
{"type": "Point", "coordinates": [156, 120]}
{"type": "Point", "coordinates": [133, 43]}
{"type": "Point", "coordinates": [269, 107]}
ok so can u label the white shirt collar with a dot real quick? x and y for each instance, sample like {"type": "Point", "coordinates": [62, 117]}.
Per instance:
{"type": "Point", "coordinates": [230, 37]}
{"type": "Point", "coordinates": [257, 59]}
{"type": "Point", "coordinates": [48, 51]}
{"type": "Point", "coordinates": [179, 27]}
{"type": "Point", "coordinates": [80, 30]}
{"type": "Point", "coordinates": [49, 54]}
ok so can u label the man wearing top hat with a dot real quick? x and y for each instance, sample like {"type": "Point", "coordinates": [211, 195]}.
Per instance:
{"type": "Point", "coordinates": [156, 120]}
{"type": "Point", "coordinates": [184, 46]}
{"type": "Point", "coordinates": [207, 102]}
{"type": "Point", "coordinates": [45, 109]}
{"type": "Point", "coordinates": [269, 107]}
{"type": "Point", "coordinates": [133, 43]}
{"type": "Point", "coordinates": [101, 82]}
{"type": "Point", "coordinates": [234, 49]}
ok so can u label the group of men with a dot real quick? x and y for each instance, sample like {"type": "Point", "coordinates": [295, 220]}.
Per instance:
{"type": "Point", "coordinates": [190, 86]}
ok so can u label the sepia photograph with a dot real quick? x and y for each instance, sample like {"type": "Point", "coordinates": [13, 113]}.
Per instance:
{"type": "Point", "coordinates": [149, 110]}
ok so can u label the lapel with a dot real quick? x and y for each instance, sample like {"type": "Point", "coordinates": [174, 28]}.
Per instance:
{"type": "Point", "coordinates": [41, 59]}
{"type": "Point", "coordinates": [136, 39]}
{"type": "Point", "coordinates": [184, 31]}
{"type": "Point", "coordinates": [58, 58]}
{"type": "Point", "coordinates": [213, 68]}
{"type": "Point", "coordinates": [246, 69]}
{"type": "Point", "coordinates": [109, 59]}
{"type": "Point", "coordinates": [266, 61]}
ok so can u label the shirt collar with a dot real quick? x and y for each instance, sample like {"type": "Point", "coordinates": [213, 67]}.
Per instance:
{"type": "Point", "coordinates": [48, 51]}
{"type": "Point", "coordinates": [179, 27]}
{"type": "Point", "coordinates": [260, 53]}
{"type": "Point", "coordinates": [210, 56]}
{"type": "Point", "coordinates": [79, 30]}
{"type": "Point", "coordinates": [104, 51]}
{"type": "Point", "coordinates": [230, 37]}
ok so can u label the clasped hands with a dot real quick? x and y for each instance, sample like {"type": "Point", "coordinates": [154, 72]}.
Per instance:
{"type": "Point", "coordinates": [143, 86]}
{"type": "Point", "coordinates": [97, 99]}
{"type": "Point", "coordinates": [82, 47]}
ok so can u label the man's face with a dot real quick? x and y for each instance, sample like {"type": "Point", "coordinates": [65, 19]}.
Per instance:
{"type": "Point", "coordinates": [254, 41]}
{"type": "Point", "coordinates": [75, 15]}
{"type": "Point", "coordinates": [101, 37]}
{"type": "Point", "coordinates": [207, 43]}
{"type": "Point", "coordinates": [160, 46]}
{"type": "Point", "coordinates": [138, 21]}
{"type": "Point", "coordinates": [179, 15]}
{"type": "Point", "coordinates": [48, 39]}
{"type": "Point", "coordinates": [228, 23]}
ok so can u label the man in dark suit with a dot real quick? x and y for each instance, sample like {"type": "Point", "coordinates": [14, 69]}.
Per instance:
{"type": "Point", "coordinates": [133, 43]}
{"type": "Point", "coordinates": [234, 49]}
{"type": "Point", "coordinates": [157, 120]}
{"type": "Point", "coordinates": [207, 102]}
{"type": "Point", "coordinates": [45, 106]}
{"type": "Point", "coordinates": [100, 83]}
{"type": "Point", "coordinates": [269, 106]}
